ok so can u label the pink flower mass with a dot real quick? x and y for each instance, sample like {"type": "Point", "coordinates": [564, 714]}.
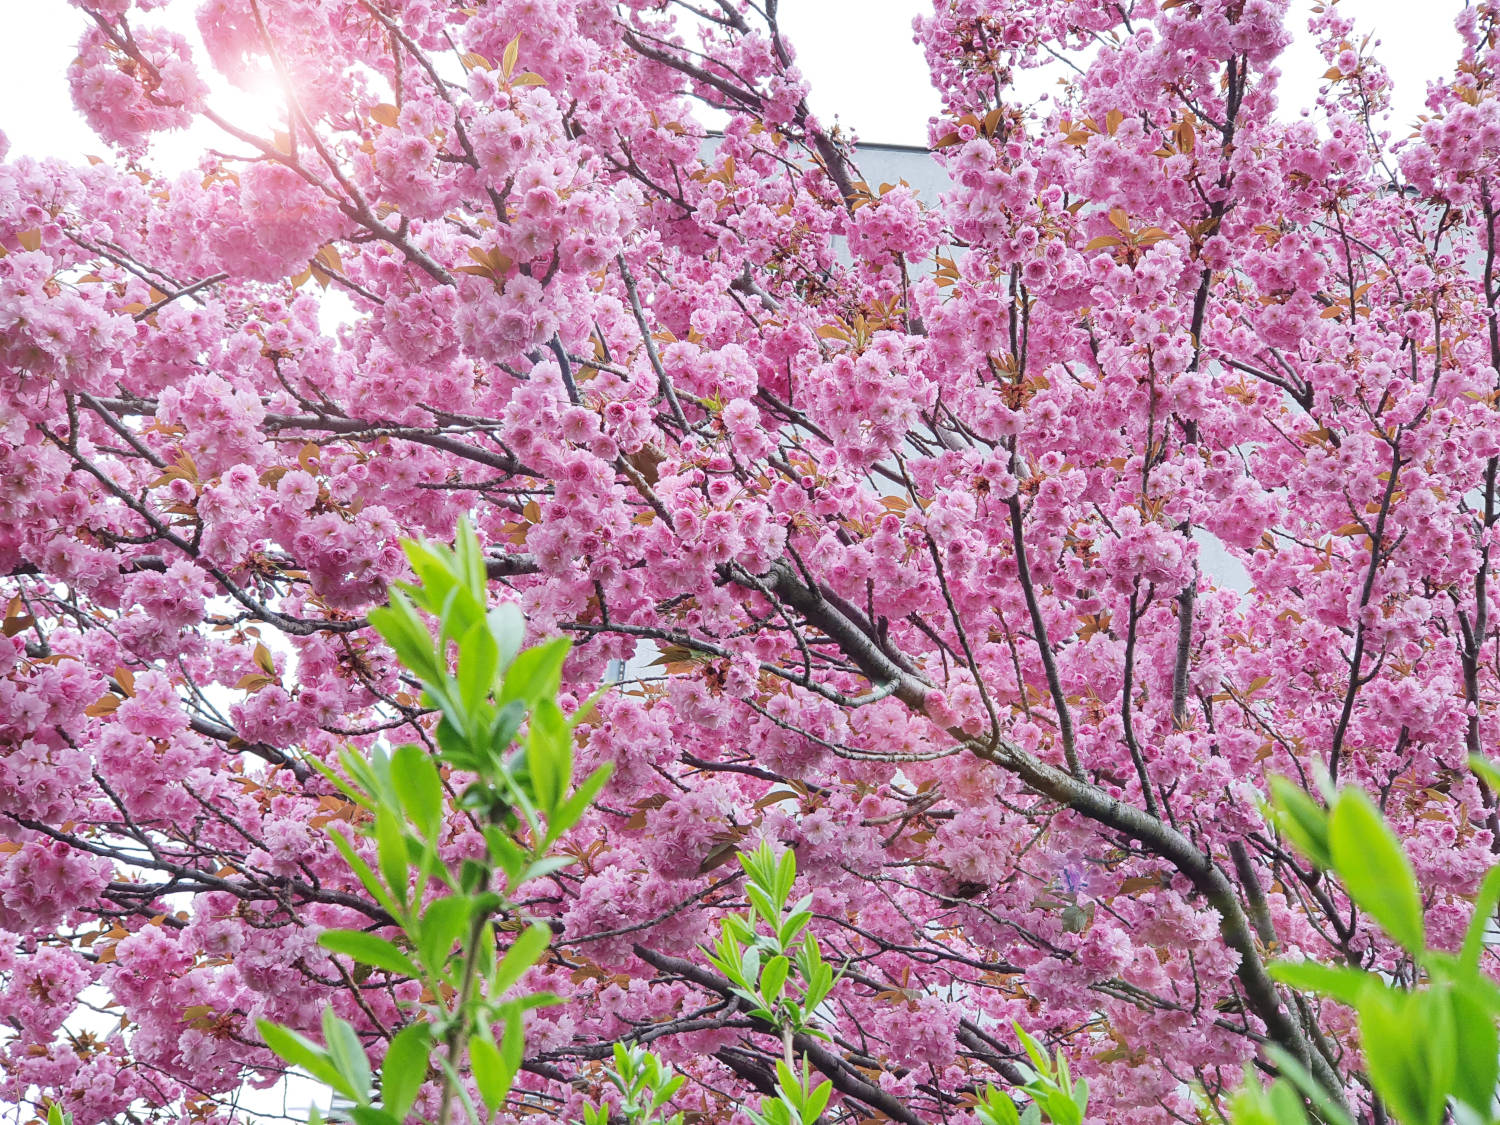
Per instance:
{"type": "Point", "coordinates": [989, 547]}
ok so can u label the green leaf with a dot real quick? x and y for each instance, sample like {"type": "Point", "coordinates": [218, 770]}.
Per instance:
{"type": "Point", "coordinates": [1487, 771]}
{"type": "Point", "coordinates": [354, 792]}
{"type": "Point", "coordinates": [523, 953]}
{"type": "Point", "coordinates": [1248, 1106]}
{"type": "Point", "coordinates": [816, 1102]}
{"type": "Point", "coordinates": [486, 952]}
{"type": "Point", "coordinates": [572, 810]}
{"type": "Point", "coordinates": [792, 926]}
{"type": "Point", "coordinates": [1484, 913]}
{"type": "Point", "coordinates": [728, 956]}
{"type": "Point", "coordinates": [537, 1000]}
{"type": "Point", "coordinates": [1286, 1106]}
{"type": "Point", "coordinates": [789, 1084]}
{"type": "Point", "coordinates": [1299, 1076]}
{"type": "Point", "coordinates": [513, 1044]}
{"type": "Point", "coordinates": [490, 1072]}
{"type": "Point", "coordinates": [365, 874]}
{"type": "Point", "coordinates": [390, 850]}
{"type": "Point", "coordinates": [1374, 869]}
{"type": "Point", "coordinates": [546, 866]}
{"type": "Point", "coordinates": [1478, 1051]}
{"type": "Point", "coordinates": [300, 1051]}
{"type": "Point", "coordinates": [818, 983]}
{"type": "Point", "coordinates": [738, 928]}
{"type": "Point", "coordinates": [403, 630]}
{"type": "Point", "coordinates": [508, 626]}
{"type": "Point", "coordinates": [439, 929]}
{"type": "Point", "coordinates": [348, 1054]}
{"type": "Point", "coordinates": [763, 905]}
{"type": "Point", "coordinates": [549, 755]}
{"type": "Point", "coordinates": [1061, 1109]}
{"type": "Point", "coordinates": [1302, 820]}
{"type": "Point", "coordinates": [434, 567]}
{"type": "Point", "coordinates": [786, 875]}
{"type": "Point", "coordinates": [1034, 1049]}
{"type": "Point", "coordinates": [378, 770]}
{"type": "Point", "coordinates": [997, 1108]}
{"type": "Point", "coordinates": [470, 558]}
{"type": "Point", "coordinates": [504, 725]}
{"type": "Point", "coordinates": [772, 977]}
{"type": "Point", "coordinates": [625, 1060]}
{"type": "Point", "coordinates": [505, 853]}
{"type": "Point", "coordinates": [760, 865]}
{"type": "Point", "coordinates": [1438, 1036]}
{"type": "Point", "coordinates": [368, 949]}
{"type": "Point", "coordinates": [751, 966]}
{"type": "Point", "coordinates": [666, 1090]}
{"type": "Point", "coordinates": [1343, 983]}
{"type": "Point", "coordinates": [458, 612]}
{"type": "Point", "coordinates": [478, 661]}
{"type": "Point", "coordinates": [455, 747]}
{"type": "Point", "coordinates": [472, 875]}
{"type": "Point", "coordinates": [1389, 1031]}
{"type": "Point", "coordinates": [419, 787]}
{"type": "Point", "coordinates": [405, 1068]}
{"type": "Point", "coordinates": [358, 767]}
{"type": "Point", "coordinates": [442, 692]}
{"type": "Point", "coordinates": [372, 1115]}
{"type": "Point", "coordinates": [535, 673]}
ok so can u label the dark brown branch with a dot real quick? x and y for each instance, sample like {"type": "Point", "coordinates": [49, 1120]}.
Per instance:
{"type": "Point", "coordinates": [845, 1078]}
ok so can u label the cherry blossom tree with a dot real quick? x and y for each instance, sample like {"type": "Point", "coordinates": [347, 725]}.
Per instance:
{"type": "Point", "coordinates": [895, 507]}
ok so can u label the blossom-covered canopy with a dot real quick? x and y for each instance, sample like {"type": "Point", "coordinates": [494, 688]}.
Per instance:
{"type": "Point", "coordinates": [896, 506]}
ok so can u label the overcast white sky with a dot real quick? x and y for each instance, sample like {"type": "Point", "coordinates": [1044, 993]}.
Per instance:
{"type": "Point", "coordinates": [859, 55]}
